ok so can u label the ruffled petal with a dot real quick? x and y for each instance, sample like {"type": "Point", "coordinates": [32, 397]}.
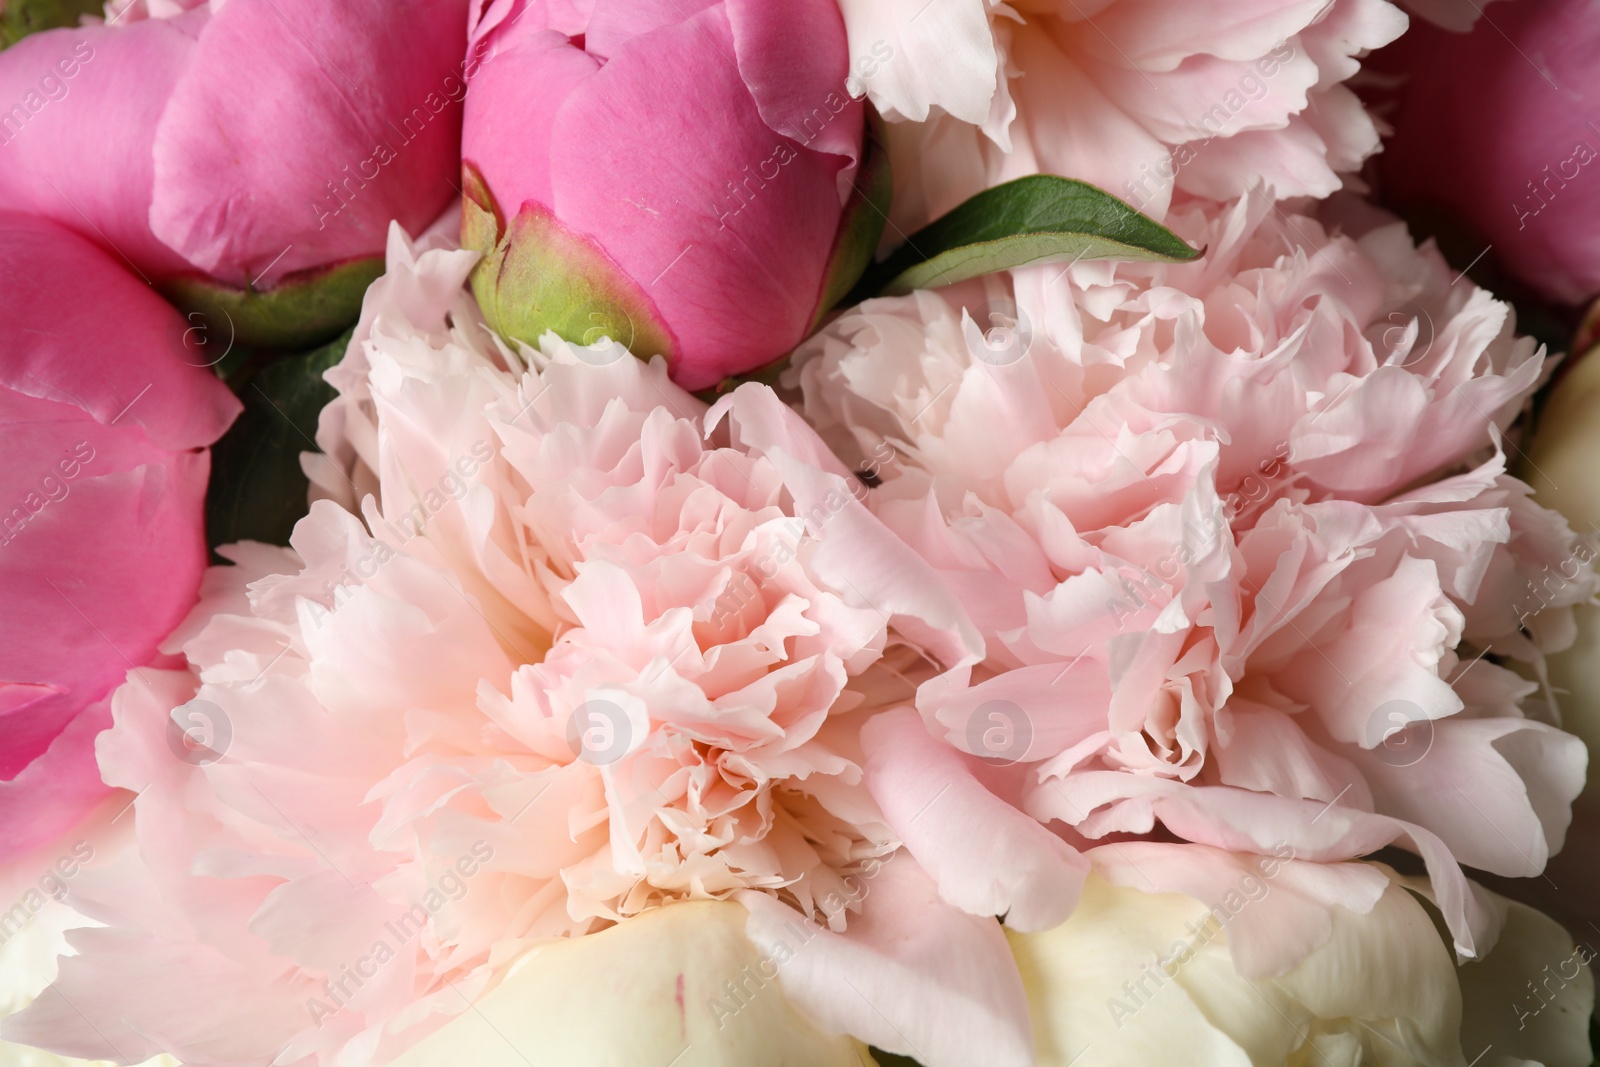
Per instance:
{"type": "Point", "coordinates": [912, 974]}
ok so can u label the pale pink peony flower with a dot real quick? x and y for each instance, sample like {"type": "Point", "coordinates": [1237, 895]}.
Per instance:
{"type": "Point", "coordinates": [1141, 97]}
{"type": "Point", "coordinates": [1241, 543]}
{"type": "Point", "coordinates": [589, 648]}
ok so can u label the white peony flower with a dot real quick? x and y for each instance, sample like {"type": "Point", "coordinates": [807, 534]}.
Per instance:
{"type": "Point", "coordinates": [680, 985]}
{"type": "Point", "coordinates": [1138, 977]}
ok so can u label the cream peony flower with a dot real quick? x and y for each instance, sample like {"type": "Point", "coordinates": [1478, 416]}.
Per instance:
{"type": "Point", "coordinates": [1529, 1001]}
{"type": "Point", "coordinates": [1560, 467]}
{"type": "Point", "coordinates": [1242, 546]}
{"type": "Point", "coordinates": [1145, 98]}
{"type": "Point", "coordinates": [679, 985]}
{"type": "Point", "coordinates": [1155, 967]}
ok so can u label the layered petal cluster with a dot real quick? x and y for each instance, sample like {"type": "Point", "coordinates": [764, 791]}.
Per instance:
{"type": "Point", "coordinates": [244, 142]}
{"type": "Point", "coordinates": [1240, 540]}
{"type": "Point", "coordinates": [102, 538]}
{"type": "Point", "coordinates": [1145, 98]}
{"type": "Point", "coordinates": [589, 648]}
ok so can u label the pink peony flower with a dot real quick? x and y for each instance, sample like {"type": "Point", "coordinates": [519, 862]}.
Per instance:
{"type": "Point", "coordinates": [243, 142]}
{"type": "Point", "coordinates": [1241, 543]}
{"type": "Point", "coordinates": [684, 172]}
{"type": "Point", "coordinates": [1494, 126]}
{"type": "Point", "coordinates": [590, 648]}
{"type": "Point", "coordinates": [102, 540]}
{"type": "Point", "coordinates": [1141, 97]}
{"type": "Point", "coordinates": [1457, 15]}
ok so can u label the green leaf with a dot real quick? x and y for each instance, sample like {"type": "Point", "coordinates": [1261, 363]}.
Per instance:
{"type": "Point", "coordinates": [1036, 219]}
{"type": "Point", "coordinates": [258, 491]}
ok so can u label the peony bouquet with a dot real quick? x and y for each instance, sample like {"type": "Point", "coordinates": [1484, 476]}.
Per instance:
{"type": "Point", "coordinates": [799, 533]}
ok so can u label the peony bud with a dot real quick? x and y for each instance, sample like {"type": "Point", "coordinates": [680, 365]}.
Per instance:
{"type": "Point", "coordinates": [244, 157]}
{"type": "Point", "coordinates": [1493, 129]}
{"type": "Point", "coordinates": [102, 539]}
{"type": "Point", "coordinates": [682, 181]}
{"type": "Point", "coordinates": [680, 984]}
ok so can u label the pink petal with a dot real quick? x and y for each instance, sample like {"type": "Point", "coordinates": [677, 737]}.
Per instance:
{"type": "Point", "coordinates": [612, 23]}
{"type": "Point", "coordinates": [913, 57]}
{"type": "Point", "coordinates": [1059, 705]}
{"type": "Point", "coordinates": [100, 577]}
{"type": "Point", "coordinates": [78, 296]}
{"type": "Point", "coordinates": [301, 128]}
{"type": "Point", "coordinates": [1498, 792]}
{"type": "Point", "coordinates": [526, 76]}
{"type": "Point", "coordinates": [83, 158]}
{"type": "Point", "coordinates": [859, 555]}
{"type": "Point", "coordinates": [1289, 900]}
{"type": "Point", "coordinates": [792, 85]}
{"type": "Point", "coordinates": [55, 790]}
{"type": "Point", "coordinates": [911, 975]}
{"type": "Point", "coordinates": [137, 970]}
{"type": "Point", "coordinates": [987, 857]}
{"type": "Point", "coordinates": [1164, 34]}
{"type": "Point", "coordinates": [102, 545]}
{"type": "Point", "coordinates": [1103, 802]}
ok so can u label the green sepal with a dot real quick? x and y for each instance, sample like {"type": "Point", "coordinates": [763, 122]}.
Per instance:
{"type": "Point", "coordinates": [536, 275]}
{"type": "Point", "coordinates": [306, 308]}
